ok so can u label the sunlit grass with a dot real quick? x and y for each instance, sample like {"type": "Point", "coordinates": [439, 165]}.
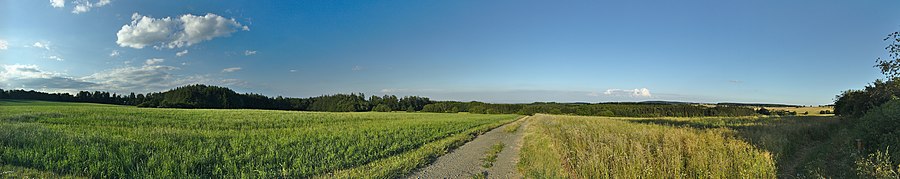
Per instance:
{"type": "Point", "coordinates": [598, 147]}
{"type": "Point", "coordinates": [513, 127]}
{"type": "Point", "coordinates": [803, 146]}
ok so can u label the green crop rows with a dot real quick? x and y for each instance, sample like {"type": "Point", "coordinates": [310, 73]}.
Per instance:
{"type": "Point", "coordinates": [93, 140]}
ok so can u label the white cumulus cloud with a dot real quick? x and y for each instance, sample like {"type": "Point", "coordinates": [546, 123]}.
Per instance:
{"type": "Point", "coordinates": [232, 69]}
{"type": "Point", "coordinates": [3, 44]}
{"type": "Point", "coordinates": [114, 53]}
{"type": "Point", "coordinates": [642, 92]}
{"type": "Point", "coordinates": [169, 32]}
{"type": "Point", "coordinates": [82, 6]}
{"type": "Point", "coordinates": [181, 53]}
{"type": "Point", "coordinates": [58, 3]}
{"type": "Point", "coordinates": [249, 52]}
{"type": "Point", "coordinates": [154, 61]}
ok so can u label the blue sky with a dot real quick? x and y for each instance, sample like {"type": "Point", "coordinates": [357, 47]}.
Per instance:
{"type": "Point", "coordinates": [797, 52]}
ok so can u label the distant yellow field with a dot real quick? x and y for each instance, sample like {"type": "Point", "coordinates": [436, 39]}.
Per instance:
{"type": "Point", "coordinates": [813, 111]}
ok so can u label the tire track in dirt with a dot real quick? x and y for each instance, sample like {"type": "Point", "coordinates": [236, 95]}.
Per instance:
{"type": "Point", "coordinates": [466, 161]}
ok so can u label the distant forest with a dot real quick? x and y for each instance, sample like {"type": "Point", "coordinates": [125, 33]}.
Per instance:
{"type": "Point", "coordinates": [214, 97]}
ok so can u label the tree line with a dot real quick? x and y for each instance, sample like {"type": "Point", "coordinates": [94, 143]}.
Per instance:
{"type": "Point", "coordinates": [214, 97]}
{"type": "Point", "coordinates": [83, 96]}
{"type": "Point", "coordinates": [587, 109]}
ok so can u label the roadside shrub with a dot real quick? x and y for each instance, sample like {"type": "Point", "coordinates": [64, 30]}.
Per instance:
{"type": "Point", "coordinates": [880, 128]}
{"type": "Point", "coordinates": [858, 102]}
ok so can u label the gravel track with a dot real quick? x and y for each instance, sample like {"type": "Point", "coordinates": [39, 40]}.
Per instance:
{"type": "Point", "coordinates": [466, 161]}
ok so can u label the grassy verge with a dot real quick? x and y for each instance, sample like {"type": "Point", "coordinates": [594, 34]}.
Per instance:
{"type": "Point", "coordinates": [598, 147]}
{"type": "Point", "coordinates": [803, 146]}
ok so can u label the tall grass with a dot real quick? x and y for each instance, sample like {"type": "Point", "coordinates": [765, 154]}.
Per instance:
{"type": "Point", "coordinates": [126, 142]}
{"type": "Point", "coordinates": [803, 146]}
{"type": "Point", "coordinates": [598, 147]}
{"type": "Point", "coordinates": [878, 165]}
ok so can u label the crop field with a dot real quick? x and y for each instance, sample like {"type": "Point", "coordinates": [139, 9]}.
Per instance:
{"type": "Point", "coordinates": [806, 111]}
{"type": "Point", "coordinates": [93, 140]}
{"type": "Point", "coordinates": [709, 147]}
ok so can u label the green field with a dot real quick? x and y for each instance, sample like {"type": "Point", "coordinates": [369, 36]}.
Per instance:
{"type": "Point", "coordinates": [93, 140]}
{"type": "Point", "coordinates": [711, 147]}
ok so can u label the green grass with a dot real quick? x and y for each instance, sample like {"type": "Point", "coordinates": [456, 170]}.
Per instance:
{"type": "Point", "coordinates": [94, 140]}
{"type": "Point", "coordinates": [603, 147]}
{"type": "Point", "coordinates": [513, 127]}
{"type": "Point", "coordinates": [479, 175]}
{"type": "Point", "coordinates": [490, 156]}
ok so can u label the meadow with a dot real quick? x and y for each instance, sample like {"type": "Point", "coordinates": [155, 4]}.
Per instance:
{"type": "Point", "coordinates": [97, 140]}
{"type": "Point", "coordinates": [709, 147]}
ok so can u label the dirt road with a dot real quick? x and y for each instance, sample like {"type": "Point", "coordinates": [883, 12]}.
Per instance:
{"type": "Point", "coordinates": [467, 161]}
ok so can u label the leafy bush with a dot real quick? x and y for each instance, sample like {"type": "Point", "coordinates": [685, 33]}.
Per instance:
{"type": "Point", "coordinates": [880, 128]}
{"type": "Point", "coordinates": [858, 102]}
